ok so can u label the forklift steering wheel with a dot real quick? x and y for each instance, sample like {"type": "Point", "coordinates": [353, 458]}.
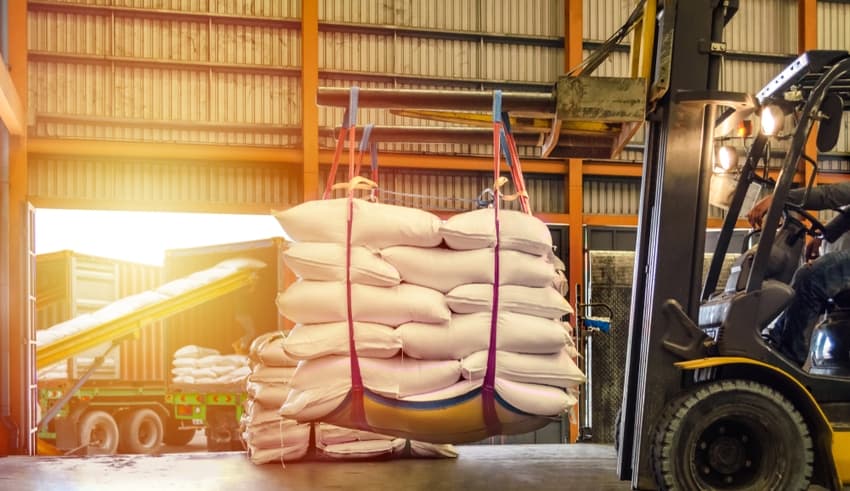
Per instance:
{"type": "Point", "coordinates": [816, 229]}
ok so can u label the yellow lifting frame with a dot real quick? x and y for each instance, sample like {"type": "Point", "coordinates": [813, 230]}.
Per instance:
{"type": "Point", "coordinates": [129, 324]}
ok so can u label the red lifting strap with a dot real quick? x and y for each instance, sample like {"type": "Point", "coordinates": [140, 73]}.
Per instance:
{"type": "Point", "coordinates": [488, 389]}
{"type": "Point", "coordinates": [358, 412]}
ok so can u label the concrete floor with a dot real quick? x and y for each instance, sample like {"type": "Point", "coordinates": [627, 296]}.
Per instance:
{"type": "Point", "coordinates": [484, 467]}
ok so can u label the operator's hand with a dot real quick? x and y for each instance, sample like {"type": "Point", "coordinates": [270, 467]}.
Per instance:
{"type": "Point", "coordinates": [813, 249]}
{"type": "Point", "coordinates": [758, 211]}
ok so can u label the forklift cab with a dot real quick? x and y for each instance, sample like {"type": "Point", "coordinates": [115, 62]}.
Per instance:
{"type": "Point", "coordinates": [740, 415]}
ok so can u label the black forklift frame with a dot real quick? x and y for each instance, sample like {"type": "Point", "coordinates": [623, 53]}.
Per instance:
{"type": "Point", "coordinates": [672, 216]}
{"type": "Point", "coordinates": [671, 230]}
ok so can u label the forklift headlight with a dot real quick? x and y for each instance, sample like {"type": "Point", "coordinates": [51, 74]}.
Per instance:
{"type": "Point", "coordinates": [727, 158]}
{"type": "Point", "coordinates": [772, 118]}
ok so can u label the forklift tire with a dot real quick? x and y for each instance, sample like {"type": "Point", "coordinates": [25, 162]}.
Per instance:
{"type": "Point", "coordinates": [141, 431]}
{"type": "Point", "coordinates": [98, 433]}
{"type": "Point", "coordinates": [175, 435]}
{"type": "Point", "coordinates": [732, 434]}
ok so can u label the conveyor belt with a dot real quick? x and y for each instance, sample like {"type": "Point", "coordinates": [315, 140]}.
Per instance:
{"type": "Point", "coordinates": [200, 287]}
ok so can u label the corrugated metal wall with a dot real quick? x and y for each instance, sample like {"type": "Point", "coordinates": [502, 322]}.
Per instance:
{"type": "Point", "coordinates": [834, 33]}
{"type": "Point", "coordinates": [764, 26]}
{"type": "Point", "coordinates": [453, 191]}
{"type": "Point", "coordinates": [202, 71]}
{"type": "Point", "coordinates": [160, 71]}
{"type": "Point", "coordinates": [176, 73]}
{"type": "Point", "coordinates": [184, 184]}
{"type": "Point", "coordinates": [438, 44]}
{"type": "Point", "coordinates": [611, 196]}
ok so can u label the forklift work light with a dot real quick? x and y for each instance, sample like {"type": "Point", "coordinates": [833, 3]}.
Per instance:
{"type": "Point", "coordinates": [772, 118]}
{"type": "Point", "coordinates": [727, 158]}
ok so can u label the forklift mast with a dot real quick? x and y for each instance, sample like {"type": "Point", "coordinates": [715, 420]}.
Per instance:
{"type": "Point", "coordinates": [672, 215]}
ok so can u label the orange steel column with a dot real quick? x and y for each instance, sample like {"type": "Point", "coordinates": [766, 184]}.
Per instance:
{"type": "Point", "coordinates": [17, 240]}
{"type": "Point", "coordinates": [309, 86]}
{"type": "Point", "coordinates": [573, 38]}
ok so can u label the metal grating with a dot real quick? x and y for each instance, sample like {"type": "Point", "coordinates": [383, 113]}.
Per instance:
{"type": "Point", "coordinates": [611, 274]}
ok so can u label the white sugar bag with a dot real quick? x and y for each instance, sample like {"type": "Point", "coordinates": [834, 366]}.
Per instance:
{"type": "Point", "coordinates": [232, 361]}
{"type": "Point", "coordinates": [256, 414]}
{"type": "Point", "coordinates": [391, 377]}
{"type": "Point", "coordinates": [325, 261]}
{"type": "Point", "coordinates": [263, 373]}
{"type": "Point", "coordinates": [269, 394]}
{"type": "Point", "coordinates": [316, 302]}
{"type": "Point", "coordinates": [432, 450]}
{"type": "Point", "coordinates": [328, 434]}
{"type": "Point", "coordinates": [445, 269]}
{"type": "Point", "coordinates": [478, 297]}
{"type": "Point", "coordinates": [364, 449]}
{"type": "Point", "coordinates": [314, 403]}
{"type": "Point", "coordinates": [375, 224]}
{"type": "Point", "coordinates": [468, 333]}
{"type": "Point", "coordinates": [309, 341]}
{"type": "Point", "coordinates": [237, 375]}
{"type": "Point", "coordinates": [193, 351]}
{"type": "Point", "coordinates": [185, 362]}
{"type": "Point", "coordinates": [277, 434]}
{"type": "Point", "coordinates": [556, 369]}
{"type": "Point", "coordinates": [477, 230]}
{"type": "Point", "coordinates": [268, 349]}
{"type": "Point", "coordinates": [294, 451]}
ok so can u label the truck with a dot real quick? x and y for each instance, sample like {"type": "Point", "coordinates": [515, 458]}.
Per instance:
{"type": "Point", "coordinates": [115, 392]}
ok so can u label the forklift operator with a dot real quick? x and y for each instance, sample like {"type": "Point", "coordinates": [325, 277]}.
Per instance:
{"type": "Point", "coordinates": [816, 282]}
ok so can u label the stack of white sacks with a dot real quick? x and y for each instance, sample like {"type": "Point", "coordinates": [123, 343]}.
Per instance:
{"type": "Point", "coordinates": [197, 365]}
{"type": "Point", "coordinates": [421, 310]}
{"type": "Point", "coordinates": [271, 438]}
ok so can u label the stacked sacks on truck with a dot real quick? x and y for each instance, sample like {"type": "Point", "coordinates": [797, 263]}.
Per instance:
{"type": "Point", "coordinates": [420, 319]}
{"type": "Point", "coordinates": [196, 365]}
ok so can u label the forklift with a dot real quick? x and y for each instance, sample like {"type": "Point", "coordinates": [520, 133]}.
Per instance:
{"type": "Point", "coordinates": [708, 403]}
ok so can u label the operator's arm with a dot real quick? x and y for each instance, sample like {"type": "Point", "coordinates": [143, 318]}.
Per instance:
{"type": "Point", "coordinates": [823, 196]}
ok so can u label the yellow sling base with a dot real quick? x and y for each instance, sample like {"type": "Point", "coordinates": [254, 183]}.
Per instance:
{"type": "Point", "coordinates": [456, 420]}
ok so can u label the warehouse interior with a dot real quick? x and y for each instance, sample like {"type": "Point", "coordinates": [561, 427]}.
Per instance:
{"type": "Point", "coordinates": [243, 108]}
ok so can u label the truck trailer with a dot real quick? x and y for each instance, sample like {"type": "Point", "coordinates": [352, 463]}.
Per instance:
{"type": "Point", "coordinates": [115, 391]}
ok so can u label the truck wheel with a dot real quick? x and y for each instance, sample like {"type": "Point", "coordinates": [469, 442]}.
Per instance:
{"type": "Point", "coordinates": [141, 431]}
{"type": "Point", "coordinates": [175, 435]}
{"type": "Point", "coordinates": [98, 432]}
{"type": "Point", "coordinates": [732, 434]}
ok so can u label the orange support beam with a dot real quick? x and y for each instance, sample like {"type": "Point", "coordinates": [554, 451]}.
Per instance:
{"type": "Point", "coordinates": [573, 38]}
{"type": "Point", "coordinates": [16, 243]}
{"type": "Point", "coordinates": [309, 88]}
{"type": "Point", "coordinates": [807, 39]}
